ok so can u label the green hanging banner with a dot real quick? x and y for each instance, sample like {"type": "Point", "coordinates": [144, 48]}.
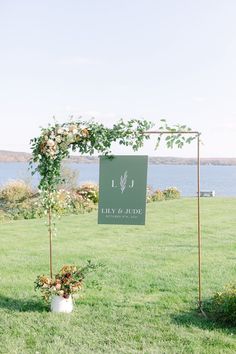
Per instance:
{"type": "Point", "coordinates": [122, 190]}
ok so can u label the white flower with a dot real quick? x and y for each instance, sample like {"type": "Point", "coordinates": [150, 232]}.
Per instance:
{"type": "Point", "coordinates": [50, 143]}
{"type": "Point", "coordinates": [73, 128]}
{"type": "Point", "coordinates": [60, 131]}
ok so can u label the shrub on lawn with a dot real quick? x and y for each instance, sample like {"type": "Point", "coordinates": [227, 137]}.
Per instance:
{"type": "Point", "coordinates": [81, 205]}
{"type": "Point", "coordinates": [89, 192]}
{"type": "Point", "coordinates": [17, 201]}
{"type": "Point", "coordinates": [71, 202]}
{"type": "Point", "coordinates": [67, 202]}
{"type": "Point", "coordinates": [15, 191]}
{"type": "Point", "coordinates": [62, 202]}
{"type": "Point", "coordinates": [158, 196]}
{"type": "Point", "coordinates": [222, 307]}
{"type": "Point", "coordinates": [28, 209]}
{"type": "Point", "coordinates": [171, 193]}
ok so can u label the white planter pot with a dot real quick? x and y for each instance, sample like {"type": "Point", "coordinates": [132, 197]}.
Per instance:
{"type": "Point", "coordinates": [60, 304]}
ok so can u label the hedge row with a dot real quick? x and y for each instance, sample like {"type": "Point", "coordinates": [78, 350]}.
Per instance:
{"type": "Point", "coordinates": [19, 200]}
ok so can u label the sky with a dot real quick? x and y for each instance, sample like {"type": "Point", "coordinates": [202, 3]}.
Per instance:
{"type": "Point", "coordinates": [112, 59]}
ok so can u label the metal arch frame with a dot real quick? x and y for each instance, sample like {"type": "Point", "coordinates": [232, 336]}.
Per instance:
{"type": "Point", "coordinates": [198, 215]}
{"type": "Point", "coordinates": [199, 236]}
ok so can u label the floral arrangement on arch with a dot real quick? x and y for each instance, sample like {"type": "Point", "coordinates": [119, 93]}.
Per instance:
{"type": "Point", "coordinates": [55, 142]}
{"type": "Point", "coordinates": [87, 137]}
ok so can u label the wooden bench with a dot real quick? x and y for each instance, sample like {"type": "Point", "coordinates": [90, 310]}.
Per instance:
{"type": "Point", "coordinates": [207, 193]}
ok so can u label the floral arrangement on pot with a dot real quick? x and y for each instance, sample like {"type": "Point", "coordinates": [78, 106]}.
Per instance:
{"type": "Point", "coordinates": [61, 288]}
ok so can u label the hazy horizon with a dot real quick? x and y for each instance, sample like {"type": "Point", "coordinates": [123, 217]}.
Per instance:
{"type": "Point", "coordinates": [76, 154]}
{"type": "Point", "coordinates": [110, 60]}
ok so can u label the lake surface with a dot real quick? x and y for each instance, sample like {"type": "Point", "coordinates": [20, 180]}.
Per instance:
{"type": "Point", "coordinates": [222, 179]}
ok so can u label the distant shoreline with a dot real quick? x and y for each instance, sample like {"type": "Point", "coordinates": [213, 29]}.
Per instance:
{"type": "Point", "coordinates": [14, 156]}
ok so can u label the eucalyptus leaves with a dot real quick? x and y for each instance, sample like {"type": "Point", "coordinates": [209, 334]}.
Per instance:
{"type": "Point", "coordinates": [55, 142]}
{"type": "Point", "coordinates": [88, 137]}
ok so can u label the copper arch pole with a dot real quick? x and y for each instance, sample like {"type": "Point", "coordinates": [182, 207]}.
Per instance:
{"type": "Point", "coordinates": [198, 215]}
{"type": "Point", "coordinates": [50, 239]}
{"type": "Point", "coordinates": [199, 236]}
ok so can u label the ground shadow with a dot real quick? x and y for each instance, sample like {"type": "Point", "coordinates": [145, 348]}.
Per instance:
{"type": "Point", "coordinates": [22, 305]}
{"type": "Point", "coordinates": [197, 319]}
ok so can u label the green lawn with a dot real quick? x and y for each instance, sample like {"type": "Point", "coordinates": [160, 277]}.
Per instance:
{"type": "Point", "coordinates": [144, 299]}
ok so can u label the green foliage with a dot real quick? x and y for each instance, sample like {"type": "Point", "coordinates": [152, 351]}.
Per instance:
{"type": "Point", "coordinates": [64, 202]}
{"type": "Point", "coordinates": [88, 137]}
{"type": "Point", "coordinates": [171, 193]}
{"type": "Point", "coordinates": [18, 200]}
{"type": "Point", "coordinates": [174, 139]}
{"type": "Point", "coordinates": [88, 192]}
{"type": "Point", "coordinates": [26, 205]}
{"type": "Point", "coordinates": [54, 143]}
{"type": "Point", "coordinates": [27, 209]}
{"type": "Point", "coordinates": [222, 307]}
{"type": "Point", "coordinates": [158, 196]}
{"type": "Point", "coordinates": [59, 201]}
{"type": "Point", "coordinates": [15, 191]}
{"type": "Point", "coordinates": [79, 205]}
{"type": "Point", "coordinates": [166, 194]}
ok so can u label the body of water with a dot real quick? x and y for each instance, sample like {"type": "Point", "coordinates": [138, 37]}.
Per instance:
{"type": "Point", "coordinates": [184, 177]}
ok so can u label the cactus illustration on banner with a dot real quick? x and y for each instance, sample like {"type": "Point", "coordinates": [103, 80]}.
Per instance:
{"type": "Point", "coordinates": [123, 181]}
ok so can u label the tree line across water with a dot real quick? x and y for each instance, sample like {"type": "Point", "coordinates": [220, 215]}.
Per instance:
{"type": "Point", "coordinates": [14, 156]}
